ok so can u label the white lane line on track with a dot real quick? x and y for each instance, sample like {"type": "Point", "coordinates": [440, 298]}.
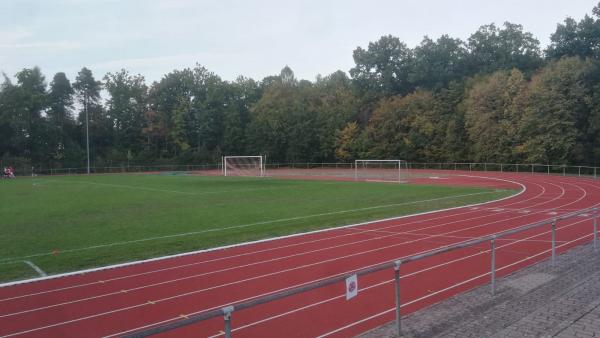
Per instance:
{"type": "Point", "coordinates": [36, 268]}
{"type": "Point", "coordinates": [381, 284]}
{"type": "Point", "coordinates": [393, 309]}
{"type": "Point", "coordinates": [446, 289]}
{"type": "Point", "coordinates": [454, 222]}
{"type": "Point", "coordinates": [277, 316]}
{"type": "Point", "coordinates": [214, 287]}
{"type": "Point", "coordinates": [13, 259]}
{"type": "Point", "coordinates": [345, 273]}
{"type": "Point", "coordinates": [447, 236]}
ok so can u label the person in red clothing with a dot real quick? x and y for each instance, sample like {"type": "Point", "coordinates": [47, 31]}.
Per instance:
{"type": "Point", "coordinates": [9, 172]}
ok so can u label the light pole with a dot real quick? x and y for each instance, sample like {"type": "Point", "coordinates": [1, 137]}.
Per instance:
{"type": "Point", "coordinates": [87, 130]}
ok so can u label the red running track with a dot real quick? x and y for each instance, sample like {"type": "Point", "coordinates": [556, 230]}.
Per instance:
{"type": "Point", "coordinates": [114, 301]}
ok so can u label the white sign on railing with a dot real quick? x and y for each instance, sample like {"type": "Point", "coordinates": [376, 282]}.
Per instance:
{"type": "Point", "coordinates": [351, 287]}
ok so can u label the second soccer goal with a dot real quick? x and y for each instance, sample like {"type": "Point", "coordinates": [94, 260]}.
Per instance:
{"type": "Point", "coordinates": [381, 170]}
{"type": "Point", "coordinates": [243, 166]}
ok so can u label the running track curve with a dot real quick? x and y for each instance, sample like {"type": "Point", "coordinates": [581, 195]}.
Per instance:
{"type": "Point", "coordinates": [112, 302]}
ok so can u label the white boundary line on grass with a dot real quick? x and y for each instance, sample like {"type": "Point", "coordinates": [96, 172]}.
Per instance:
{"type": "Point", "coordinates": [107, 245]}
{"type": "Point", "coordinates": [36, 268]}
{"type": "Point", "coordinates": [114, 266]}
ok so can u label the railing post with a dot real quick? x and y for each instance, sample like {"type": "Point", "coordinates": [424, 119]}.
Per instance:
{"type": "Point", "coordinates": [554, 242]}
{"type": "Point", "coordinates": [227, 316]}
{"type": "Point", "coordinates": [493, 272]}
{"type": "Point", "coordinates": [595, 213]}
{"type": "Point", "coordinates": [501, 167]}
{"type": "Point", "coordinates": [397, 282]}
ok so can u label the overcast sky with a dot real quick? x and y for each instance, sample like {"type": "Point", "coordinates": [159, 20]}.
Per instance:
{"type": "Point", "coordinates": [250, 38]}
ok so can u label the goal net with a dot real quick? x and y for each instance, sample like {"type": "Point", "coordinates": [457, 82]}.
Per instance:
{"type": "Point", "coordinates": [243, 166]}
{"type": "Point", "coordinates": [381, 170]}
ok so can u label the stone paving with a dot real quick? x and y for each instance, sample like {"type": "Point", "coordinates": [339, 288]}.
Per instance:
{"type": "Point", "coordinates": [538, 301]}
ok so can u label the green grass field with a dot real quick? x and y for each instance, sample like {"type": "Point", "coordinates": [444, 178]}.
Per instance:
{"type": "Point", "coordinates": [74, 222]}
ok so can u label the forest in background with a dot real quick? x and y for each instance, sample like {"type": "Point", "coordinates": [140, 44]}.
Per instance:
{"type": "Point", "coordinates": [496, 97]}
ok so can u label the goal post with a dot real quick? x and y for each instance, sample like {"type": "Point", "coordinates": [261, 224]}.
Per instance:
{"type": "Point", "coordinates": [243, 166]}
{"type": "Point", "coordinates": [380, 170]}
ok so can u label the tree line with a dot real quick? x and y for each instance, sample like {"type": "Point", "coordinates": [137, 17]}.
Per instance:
{"type": "Point", "coordinates": [496, 97]}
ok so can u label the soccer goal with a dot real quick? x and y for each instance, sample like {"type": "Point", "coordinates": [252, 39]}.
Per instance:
{"type": "Point", "coordinates": [243, 166]}
{"type": "Point", "coordinates": [381, 170]}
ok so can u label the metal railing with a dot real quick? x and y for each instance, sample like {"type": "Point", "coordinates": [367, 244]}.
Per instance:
{"type": "Point", "coordinates": [533, 168]}
{"type": "Point", "coordinates": [228, 311]}
{"type": "Point", "coordinates": [560, 169]}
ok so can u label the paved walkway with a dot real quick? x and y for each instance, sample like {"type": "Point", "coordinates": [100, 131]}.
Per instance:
{"type": "Point", "coordinates": [539, 301]}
